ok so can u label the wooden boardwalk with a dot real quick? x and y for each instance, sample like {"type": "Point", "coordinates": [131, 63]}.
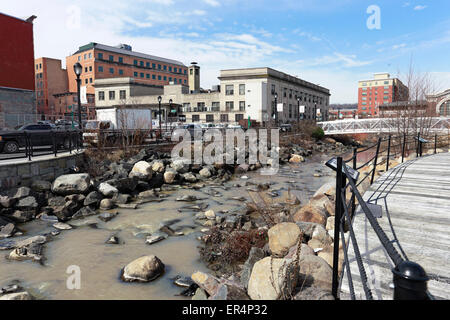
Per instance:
{"type": "Point", "coordinates": [416, 197]}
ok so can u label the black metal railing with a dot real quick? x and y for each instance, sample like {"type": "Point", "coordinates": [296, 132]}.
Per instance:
{"type": "Point", "coordinates": [348, 180]}
{"type": "Point", "coordinates": [29, 144]}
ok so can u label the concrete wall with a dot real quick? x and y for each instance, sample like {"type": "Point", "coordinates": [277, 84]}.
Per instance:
{"type": "Point", "coordinates": [23, 172]}
{"type": "Point", "coordinates": [17, 107]}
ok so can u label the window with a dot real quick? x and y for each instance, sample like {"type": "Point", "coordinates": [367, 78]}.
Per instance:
{"type": "Point", "coordinates": [142, 74]}
{"type": "Point", "coordinates": [170, 69]}
{"type": "Point", "coordinates": [100, 69]}
{"type": "Point", "coordinates": [170, 78]}
{"type": "Point", "coordinates": [154, 66]}
{"type": "Point", "coordinates": [238, 117]}
{"type": "Point", "coordinates": [159, 67]}
{"type": "Point", "coordinates": [229, 105]}
{"type": "Point", "coordinates": [364, 98]}
{"type": "Point", "coordinates": [86, 81]}
{"type": "Point", "coordinates": [147, 76]}
{"type": "Point", "coordinates": [112, 95]}
{"type": "Point", "coordinates": [242, 89]}
{"type": "Point", "coordinates": [85, 69]}
{"type": "Point", "coordinates": [100, 56]}
{"type": "Point", "coordinates": [135, 62]}
{"type": "Point", "coordinates": [174, 80]}
{"type": "Point", "coordinates": [386, 97]}
{"type": "Point", "coordinates": [386, 82]}
{"type": "Point", "coordinates": [90, 80]}
{"type": "Point", "coordinates": [175, 70]}
{"type": "Point", "coordinates": [241, 105]}
{"type": "Point", "coordinates": [184, 71]}
{"type": "Point", "coordinates": [120, 60]}
{"type": "Point", "coordinates": [90, 68]}
{"type": "Point", "coordinates": [195, 118]}
{"type": "Point", "coordinates": [215, 106]}
{"type": "Point", "coordinates": [153, 77]}
{"type": "Point", "coordinates": [111, 58]}
{"type": "Point", "coordinates": [120, 71]}
{"type": "Point", "coordinates": [186, 107]}
{"type": "Point", "coordinates": [191, 72]}
{"type": "Point", "coordinates": [229, 90]}
{"type": "Point", "coordinates": [223, 118]}
{"type": "Point", "coordinates": [85, 56]}
{"type": "Point", "coordinates": [123, 94]}
{"type": "Point", "coordinates": [209, 118]}
{"type": "Point", "coordinates": [201, 106]}
{"type": "Point", "coordinates": [90, 55]}
{"type": "Point", "coordinates": [184, 81]}
{"type": "Point", "coordinates": [165, 78]}
{"type": "Point", "coordinates": [111, 70]}
{"type": "Point", "coordinates": [165, 68]}
{"type": "Point", "coordinates": [159, 77]}
{"type": "Point", "coordinates": [141, 63]}
{"type": "Point", "coordinates": [135, 74]}
{"type": "Point", "coordinates": [101, 95]}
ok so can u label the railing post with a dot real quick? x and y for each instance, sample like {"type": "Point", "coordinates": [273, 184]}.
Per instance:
{"type": "Point", "coordinates": [403, 147]}
{"type": "Point", "coordinates": [388, 153]}
{"type": "Point", "coordinates": [410, 282]}
{"type": "Point", "coordinates": [435, 143]}
{"type": "Point", "coordinates": [375, 161]}
{"type": "Point", "coordinates": [418, 145]}
{"type": "Point", "coordinates": [355, 155]}
{"type": "Point", "coordinates": [70, 141]}
{"type": "Point", "coordinates": [337, 220]}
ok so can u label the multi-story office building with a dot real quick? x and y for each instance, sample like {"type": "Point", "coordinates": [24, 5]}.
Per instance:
{"type": "Point", "coordinates": [17, 98]}
{"type": "Point", "coordinates": [380, 90]}
{"type": "Point", "coordinates": [242, 94]}
{"type": "Point", "coordinates": [50, 79]}
{"type": "Point", "coordinates": [104, 62]}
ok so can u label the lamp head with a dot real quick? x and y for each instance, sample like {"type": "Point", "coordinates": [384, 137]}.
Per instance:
{"type": "Point", "coordinates": [276, 95]}
{"type": "Point", "coordinates": [159, 99]}
{"type": "Point", "coordinates": [78, 69]}
{"type": "Point", "coordinates": [170, 101]}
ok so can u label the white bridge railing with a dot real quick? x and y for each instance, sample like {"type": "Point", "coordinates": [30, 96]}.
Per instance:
{"type": "Point", "coordinates": [383, 125]}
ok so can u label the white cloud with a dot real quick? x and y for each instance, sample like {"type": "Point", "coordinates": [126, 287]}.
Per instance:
{"type": "Point", "coordinates": [398, 46]}
{"type": "Point", "coordinates": [163, 2]}
{"type": "Point", "coordinates": [420, 7]}
{"type": "Point", "coordinates": [213, 3]}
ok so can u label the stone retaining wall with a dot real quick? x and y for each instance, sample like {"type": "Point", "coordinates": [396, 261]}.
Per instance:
{"type": "Point", "coordinates": [24, 172]}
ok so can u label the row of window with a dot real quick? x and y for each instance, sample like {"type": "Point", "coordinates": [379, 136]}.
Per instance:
{"type": "Point", "coordinates": [159, 77]}
{"type": "Point", "coordinates": [112, 95]}
{"type": "Point", "coordinates": [229, 89]}
{"type": "Point", "coordinates": [38, 66]}
{"type": "Point", "coordinates": [215, 106]}
{"type": "Point", "coordinates": [376, 83]}
{"type": "Point", "coordinates": [86, 56]}
{"type": "Point", "coordinates": [375, 98]}
{"type": "Point", "coordinates": [302, 96]}
{"type": "Point", "coordinates": [223, 117]}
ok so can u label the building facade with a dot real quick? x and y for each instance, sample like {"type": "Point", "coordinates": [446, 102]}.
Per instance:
{"type": "Point", "coordinates": [66, 106]}
{"type": "Point", "coordinates": [442, 102]}
{"type": "Point", "coordinates": [17, 97]}
{"type": "Point", "coordinates": [382, 89]}
{"type": "Point", "coordinates": [242, 94]}
{"type": "Point", "coordinates": [104, 62]}
{"type": "Point", "coordinates": [51, 79]}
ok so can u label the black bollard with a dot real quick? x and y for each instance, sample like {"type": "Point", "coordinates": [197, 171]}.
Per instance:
{"type": "Point", "coordinates": [410, 281]}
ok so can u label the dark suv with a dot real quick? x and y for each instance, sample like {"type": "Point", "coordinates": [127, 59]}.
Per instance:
{"type": "Point", "coordinates": [39, 135]}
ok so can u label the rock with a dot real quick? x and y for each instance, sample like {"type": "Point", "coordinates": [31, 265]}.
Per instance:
{"type": "Point", "coordinates": [229, 290]}
{"type": "Point", "coordinates": [156, 237]}
{"type": "Point", "coordinates": [307, 228]}
{"type": "Point", "coordinates": [75, 197]}
{"type": "Point", "coordinates": [7, 202]}
{"type": "Point", "coordinates": [313, 293]}
{"type": "Point", "coordinates": [143, 169]}
{"type": "Point", "coordinates": [107, 216]}
{"type": "Point", "coordinates": [71, 183]}
{"type": "Point", "coordinates": [143, 269]}
{"type": "Point", "coordinates": [23, 216]}
{"type": "Point", "coordinates": [106, 204]}
{"type": "Point", "coordinates": [210, 214]}
{"type": "Point", "coordinates": [272, 279]}
{"type": "Point", "coordinates": [296, 159]}
{"type": "Point", "coordinates": [7, 231]}
{"type": "Point", "coordinates": [56, 202]}
{"type": "Point", "coordinates": [149, 194]}
{"type": "Point", "coordinates": [200, 294]}
{"type": "Point", "coordinates": [22, 192]}
{"type": "Point", "coordinates": [27, 249]}
{"type": "Point", "coordinates": [168, 230]}
{"type": "Point", "coordinates": [189, 177]}
{"type": "Point", "coordinates": [242, 168]}
{"type": "Point", "coordinates": [184, 282]}
{"type": "Point", "coordinates": [187, 198]}
{"type": "Point", "coordinates": [93, 199]}
{"type": "Point", "coordinates": [282, 237]}
{"type": "Point", "coordinates": [205, 173]}
{"type": "Point", "coordinates": [62, 226]}
{"type": "Point", "coordinates": [107, 190]}
{"type": "Point", "coordinates": [206, 281]}
{"type": "Point", "coordinates": [17, 296]}
{"type": "Point", "coordinates": [321, 235]}
{"type": "Point", "coordinates": [120, 198]}
{"type": "Point", "coordinates": [180, 166]}
{"type": "Point", "coordinates": [254, 256]}
{"type": "Point", "coordinates": [113, 240]}
{"type": "Point", "coordinates": [330, 223]}
{"type": "Point", "coordinates": [158, 166]}
{"type": "Point", "coordinates": [316, 245]}
{"type": "Point", "coordinates": [125, 185]}
{"type": "Point", "coordinates": [310, 213]}
{"type": "Point", "coordinates": [328, 189]}
{"type": "Point", "coordinates": [41, 186]}
{"type": "Point", "coordinates": [169, 176]}
{"type": "Point", "coordinates": [315, 271]}
{"type": "Point", "coordinates": [28, 203]}
{"type": "Point", "coordinates": [84, 212]}
{"type": "Point", "coordinates": [305, 250]}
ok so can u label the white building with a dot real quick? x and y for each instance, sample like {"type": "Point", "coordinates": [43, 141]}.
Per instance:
{"type": "Point", "coordinates": [242, 94]}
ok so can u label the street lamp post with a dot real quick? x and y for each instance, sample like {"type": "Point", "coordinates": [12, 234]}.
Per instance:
{"type": "Point", "coordinates": [78, 69]}
{"type": "Point", "coordinates": [159, 114]}
{"type": "Point", "coordinates": [298, 110]}
{"type": "Point", "coordinates": [170, 112]}
{"type": "Point", "coordinates": [276, 109]}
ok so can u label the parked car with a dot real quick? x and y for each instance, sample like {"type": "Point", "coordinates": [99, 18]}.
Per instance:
{"type": "Point", "coordinates": [286, 127]}
{"type": "Point", "coordinates": [195, 130]}
{"type": "Point", "coordinates": [40, 135]}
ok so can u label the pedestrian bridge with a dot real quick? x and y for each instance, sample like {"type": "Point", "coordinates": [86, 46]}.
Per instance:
{"type": "Point", "coordinates": [384, 125]}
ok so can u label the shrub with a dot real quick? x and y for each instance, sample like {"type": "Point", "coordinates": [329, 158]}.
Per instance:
{"type": "Point", "coordinates": [318, 133]}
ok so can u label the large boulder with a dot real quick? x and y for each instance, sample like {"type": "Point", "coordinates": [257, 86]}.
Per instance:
{"type": "Point", "coordinates": [169, 176]}
{"type": "Point", "coordinates": [158, 166]}
{"type": "Point", "coordinates": [7, 202]}
{"type": "Point", "coordinates": [71, 184]}
{"type": "Point", "coordinates": [28, 204]}
{"type": "Point", "coordinates": [313, 293]}
{"type": "Point", "coordinates": [143, 269]}
{"type": "Point", "coordinates": [107, 190]}
{"type": "Point", "coordinates": [315, 271]}
{"type": "Point", "coordinates": [41, 186]}
{"type": "Point", "coordinates": [254, 256]}
{"type": "Point", "coordinates": [296, 159]}
{"type": "Point", "coordinates": [272, 279]}
{"type": "Point", "coordinates": [17, 296]}
{"type": "Point", "coordinates": [180, 166]}
{"type": "Point", "coordinates": [142, 169]}
{"type": "Point", "coordinates": [205, 173]}
{"type": "Point", "coordinates": [311, 213]}
{"type": "Point", "coordinates": [206, 281]}
{"type": "Point", "coordinates": [93, 199]}
{"type": "Point", "coordinates": [22, 192]}
{"type": "Point", "coordinates": [189, 177]}
{"type": "Point", "coordinates": [282, 237]}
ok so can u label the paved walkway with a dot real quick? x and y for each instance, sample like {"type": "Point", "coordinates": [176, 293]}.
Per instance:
{"type": "Point", "coordinates": [37, 157]}
{"type": "Point", "coordinates": [416, 198]}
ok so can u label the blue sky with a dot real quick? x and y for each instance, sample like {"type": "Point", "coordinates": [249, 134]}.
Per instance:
{"type": "Point", "coordinates": [322, 41]}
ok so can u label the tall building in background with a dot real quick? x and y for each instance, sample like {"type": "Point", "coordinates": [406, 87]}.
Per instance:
{"type": "Point", "coordinates": [51, 79]}
{"type": "Point", "coordinates": [103, 62]}
{"type": "Point", "coordinates": [380, 90]}
{"type": "Point", "coordinates": [17, 97]}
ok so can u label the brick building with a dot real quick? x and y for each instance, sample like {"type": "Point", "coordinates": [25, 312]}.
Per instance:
{"type": "Point", "coordinates": [382, 89]}
{"type": "Point", "coordinates": [51, 79]}
{"type": "Point", "coordinates": [66, 106]}
{"type": "Point", "coordinates": [103, 62]}
{"type": "Point", "coordinates": [17, 98]}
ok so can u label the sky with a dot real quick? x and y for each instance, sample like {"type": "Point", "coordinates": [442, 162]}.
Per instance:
{"type": "Point", "coordinates": [333, 43]}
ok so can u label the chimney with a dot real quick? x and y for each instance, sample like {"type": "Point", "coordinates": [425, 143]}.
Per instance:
{"type": "Point", "coordinates": [194, 77]}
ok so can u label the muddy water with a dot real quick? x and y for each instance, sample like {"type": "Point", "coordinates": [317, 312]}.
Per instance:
{"type": "Point", "coordinates": [100, 263]}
